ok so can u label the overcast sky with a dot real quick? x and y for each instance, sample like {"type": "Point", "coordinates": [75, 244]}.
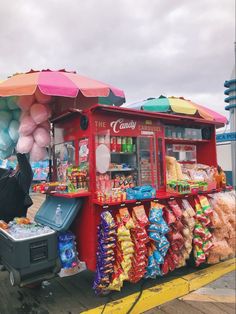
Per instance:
{"type": "Point", "coordinates": [145, 47]}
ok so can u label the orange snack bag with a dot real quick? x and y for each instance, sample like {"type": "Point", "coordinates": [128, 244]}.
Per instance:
{"type": "Point", "coordinates": [3, 224]}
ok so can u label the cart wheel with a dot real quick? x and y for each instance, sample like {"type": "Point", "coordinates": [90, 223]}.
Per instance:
{"type": "Point", "coordinates": [15, 277]}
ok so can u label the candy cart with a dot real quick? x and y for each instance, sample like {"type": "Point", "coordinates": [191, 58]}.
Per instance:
{"type": "Point", "coordinates": [136, 185]}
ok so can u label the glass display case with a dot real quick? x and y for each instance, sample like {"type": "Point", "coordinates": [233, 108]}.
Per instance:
{"type": "Point", "coordinates": [123, 162]}
{"type": "Point", "coordinates": [64, 157]}
{"type": "Point", "coordinates": [182, 152]}
{"type": "Point", "coordinates": [182, 133]}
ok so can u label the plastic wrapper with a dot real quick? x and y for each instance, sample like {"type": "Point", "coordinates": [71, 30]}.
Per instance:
{"type": "Point", "coordinates": [140, 216]}
{"type": "Point", "coordinates": [105, 253]}
{"type": "Point", "coordinates": [205, 205]}
{"type": "Point", "coordinates": [4, 154]}
{"type": "Point", "coordinates": [42, 137]}
{"type": "Point", "coordinates": [25, 102]}
{"type": "Point", "coordinates": [5, 119]}
{"type": "Point", "coordinates": [3, 103]}
{"type": "Point", "coordinates": [25, 144]}
{"type": "Point", "coordinates": [179, 172]}
{"type": "Point", "coordinates": [3, 224]}
{"type": "Point", "coordinates": [14, 130]}
{"type": "Point", "coordinates": [175, 209]}
{"type": "Point", "coordinates": [16, 114]}
{"type": "Point", "coordinates": [107, 221]}
{"type": "Point", "coordinates": [38, 153]}
{"type": "Point", "coordinates": [5, 140]}
{"type": "Point", "coordinates": [199, 255]}
{"type": "Point", "coordinates": [27, 125]}
{"type": "Point", "coordinates": [171, 168]}
{"type": "Point", "coordinates": [169, 217]}
{"type": "Point", "coordinates": [155, 236]}
{"type": "Point", "coordinates": [12, 103]}
{"type": "Point", "coordinates": [39, 113]}
{"type": "Point", "coordinates": [188, 208]}
{"type": "Point", "coordinates": [126, 218]}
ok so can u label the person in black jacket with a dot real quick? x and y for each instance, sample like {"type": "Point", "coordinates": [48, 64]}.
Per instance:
{"type": "Point", "coordinates": [14, 190]}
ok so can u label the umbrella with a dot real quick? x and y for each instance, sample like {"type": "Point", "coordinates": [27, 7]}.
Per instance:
{"type": "Point", "coordinates": [177, 105]}
{"type": "Point", "coordinates": [60, 83]}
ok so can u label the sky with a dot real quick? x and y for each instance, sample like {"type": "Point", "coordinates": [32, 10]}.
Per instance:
{"type": "Point", "coordinates": [147, 48]}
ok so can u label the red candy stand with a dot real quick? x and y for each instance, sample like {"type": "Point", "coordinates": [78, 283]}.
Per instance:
{"type": "Point", "coordinates": [106, 131]}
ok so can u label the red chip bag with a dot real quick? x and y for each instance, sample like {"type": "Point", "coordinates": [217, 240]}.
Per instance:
{"type": "Point", "coordinates": [178, 225]}
{"type": "Point", "coordinates": [169, 217]}
{"type": "Point", "coordinates": [172, 264]}
{"type": "Point", "coordinates": [141, 216]}
{"type": "Point", "coordinates": [175, 208]}
{"type": "Point", "coordinates": [165, 267]}
{"type": "Point", "coordinates": [175, 237]}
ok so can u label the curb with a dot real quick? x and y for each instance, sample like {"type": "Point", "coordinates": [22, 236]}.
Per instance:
{"type": "Point", "coordinates": [162, 293]}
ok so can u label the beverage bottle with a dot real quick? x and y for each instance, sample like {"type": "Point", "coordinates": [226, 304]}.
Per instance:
{"type": "Point", "coordinates": [58, 216]}
{"type": "Point", "coordinates": [129, 144]}
{"type": "Point", "coordinates": [118, 144]}
{"type": "Point", "coordinates": [124, 145]}
{"type": "Point", "coordinates": [113, 144]}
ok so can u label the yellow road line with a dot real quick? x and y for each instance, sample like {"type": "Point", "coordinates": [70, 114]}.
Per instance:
{"type": "Point", "coordinates": [165, 292]}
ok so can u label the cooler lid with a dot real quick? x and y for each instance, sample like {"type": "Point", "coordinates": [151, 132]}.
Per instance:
{"type": "Point", "coordinates": [46, 214]}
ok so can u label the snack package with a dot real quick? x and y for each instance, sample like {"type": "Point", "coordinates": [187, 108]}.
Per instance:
{"type": "Point", "coordinates": [140, 215]}
{"type": "Point", "coordinates": [188, 208]}
{"type": "Point", "coordinates": [105, 253]}
{"type": "Point", "coordinates": [205, 205]}
{"type": "Point", "coordinates": [175, 209]}
{"type": "Point", "coordinates": [199, 255]}
{"type": "Point", "coordinates": [126, 218]}
{"type": "Point", "coordinates": [3, 224]}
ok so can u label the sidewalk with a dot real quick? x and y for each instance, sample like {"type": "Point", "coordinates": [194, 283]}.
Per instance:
{"type": "Point", "coordinates": [216, 298]}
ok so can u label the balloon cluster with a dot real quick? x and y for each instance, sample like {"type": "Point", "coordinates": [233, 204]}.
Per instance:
{"type": "Point", "coordinates": [9, 125]}
{"type": "Point", "coordinates": [34, 126]}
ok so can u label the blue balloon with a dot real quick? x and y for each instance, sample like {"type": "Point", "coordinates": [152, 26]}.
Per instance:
{"type": "Point", "coordinates": [13, 130]}
{"type": "Point", "coordinates": [4, 154]}
{"type": "Point", "coordinates": [11, 102]}
{"type": "Point", "coordinates": [16, 114]}
{"type": "Point", "coordinates": [5, 140]}
{"type": "Point", "coordinates": [3, 103]}
{"type": "Point", "coordinates": [5, 119]}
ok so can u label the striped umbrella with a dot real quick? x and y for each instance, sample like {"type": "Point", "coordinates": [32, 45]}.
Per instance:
{"type": "Point", "coordinates": [177, 105]}
{"type": "Point", "coordinates": [60, 83]}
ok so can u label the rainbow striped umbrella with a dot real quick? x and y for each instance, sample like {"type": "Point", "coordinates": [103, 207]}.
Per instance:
{"type": "Point", "coordinates": [60, 83]}
{"type": "Point", "coordinates": [177, 105]}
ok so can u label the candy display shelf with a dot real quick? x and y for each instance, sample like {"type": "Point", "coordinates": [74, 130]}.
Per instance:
{"type": "Point", "coordinates": [160, 195]}
{"type": "Point", "coordinates": [181, 140]}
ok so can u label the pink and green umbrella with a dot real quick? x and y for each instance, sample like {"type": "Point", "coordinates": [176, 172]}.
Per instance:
{"type": "Point", "coordinates": [60, 83]}
{"type": "Point", "coordinates": [177, 105]}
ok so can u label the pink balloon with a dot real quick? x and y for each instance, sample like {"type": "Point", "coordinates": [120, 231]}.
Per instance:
{"type": "Point", "coordinates": [23, 115]}
{"type": "Point", "coordinates": [42, 98]}
{"type": "Point", "coordinates": [45, 125]}
{"type": "Point", "coordinates": [38, 153]}
{"type": "Point", "coordinates": [25, 144]}
{"type": "Point", "coordinates": [42, 137]}
{"type": "Point", "coordinates": [25, 102]}
{"type": "Point", "coordinates": [27, 125]}
{"type": "Point", "coordinates": [49, 110]}
{"type": "Point", "coordinates": [39, 113]}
